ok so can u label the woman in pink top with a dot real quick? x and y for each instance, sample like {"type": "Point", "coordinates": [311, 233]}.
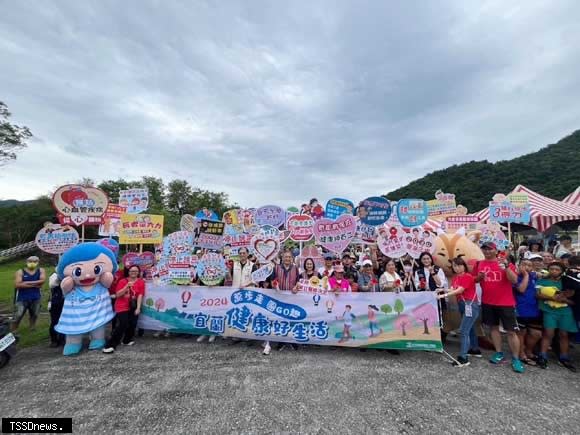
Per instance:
{"type": "Point", "coordinates": [337, 282]}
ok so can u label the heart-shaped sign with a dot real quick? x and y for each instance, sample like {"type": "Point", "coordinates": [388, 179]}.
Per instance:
{"type": "Point", "coordinates": [78, 205]}
{"type": "Point", "coordinates": [266, 243]}
{"type": "Point", "coordinates": [265, 248]}
{"type": "Point", "coordinates": [335, 235]}
{"type": "Point", "coordinates": [300, 227]}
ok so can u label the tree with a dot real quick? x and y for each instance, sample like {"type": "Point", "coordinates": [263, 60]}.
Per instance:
{"type": "Point", "coordinates": [399, 307]}
{"type": "Point", "coordinates": [387, 309]}
{"type": "Point", "coordinates": [402, 322]}
{"type": "Point", "coordinates": [156, 193]}
{"type": "Point", "coordinates": [12, 136]}
{"type": "Point", "coordinates": [216, 201]}
{"type": "Point", "coordinates": [20, 223]}
{"type": "Point", "coordinates": [112, 188]}
{"type": "Point", "coordinates": [179, 196]}
{"type": "Point", "coordinates": [427, 314]}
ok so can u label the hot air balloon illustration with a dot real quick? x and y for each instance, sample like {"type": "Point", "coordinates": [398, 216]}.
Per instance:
{"type": "Point", "coordinates": [316, 299]}
{"type": "Point", "coordinates": [185, 297]}
{"type": "Point", "coordinates": [329, 305]}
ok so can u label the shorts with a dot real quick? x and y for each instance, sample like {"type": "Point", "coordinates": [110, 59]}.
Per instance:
{"type": "Point", "coordinates": [560, 318]}
{"type": "Point", "coordinates": [530, 323]}
{"type": "Point", "coordinates": [33, 307]}
{"type": "Point", "coordinates": [492, 315]}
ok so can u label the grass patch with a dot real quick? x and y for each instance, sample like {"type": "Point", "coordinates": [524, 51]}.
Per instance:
{"type": "Point", "coordinates": [27, 337]}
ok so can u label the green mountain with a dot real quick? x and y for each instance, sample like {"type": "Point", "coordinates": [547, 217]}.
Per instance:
{"type": "Point", "coordinates": [552, 171]}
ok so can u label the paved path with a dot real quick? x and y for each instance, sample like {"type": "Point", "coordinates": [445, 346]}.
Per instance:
{"type": "Point", "coordinates": [176, 385]}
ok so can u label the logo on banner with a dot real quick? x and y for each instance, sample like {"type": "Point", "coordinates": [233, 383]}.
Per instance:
{"type": "Point", "coordinates": [374, 210]}
{"type": "Point", "coordinates": [266, 243]}
{"type": "Point", "coordinates": [335, 235]}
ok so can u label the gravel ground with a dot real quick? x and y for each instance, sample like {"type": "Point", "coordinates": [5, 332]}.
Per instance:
{"type": "Point", "coordinates": [175, 385]}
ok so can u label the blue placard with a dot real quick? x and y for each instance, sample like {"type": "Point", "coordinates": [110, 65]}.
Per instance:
{"type": "Point", "coordinates": [336, 207]}
{"type": "Point", "coordinates": [412, 212]}
{"type": "Point", "coordinates": [374, 211]}
{"type": "Point", "coordinates": [208, 214]}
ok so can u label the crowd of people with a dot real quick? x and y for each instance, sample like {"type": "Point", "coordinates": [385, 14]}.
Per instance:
{"type": "Point", "coordinates": [532, 295]}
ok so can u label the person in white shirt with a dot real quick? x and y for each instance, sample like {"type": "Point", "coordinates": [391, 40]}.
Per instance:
{"type": "Point", "coordinates": [429, 277]}
{"type": "Point", "coordinates": [328, 267]}
{"type": "Point", "coordinates": [565, 247]}
{"type": "Point", "coordinates": [390, 280]}
{"type": "Point", "coordinates": [242, 270]}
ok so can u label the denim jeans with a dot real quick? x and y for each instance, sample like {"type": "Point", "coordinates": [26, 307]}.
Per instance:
{"type": "Point", "coordinates": [467, 328]}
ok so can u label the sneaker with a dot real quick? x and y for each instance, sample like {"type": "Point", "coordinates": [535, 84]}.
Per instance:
{"type": "Point", "coordinates": [131, 343]}
{"type": "Point", "coordinates": [266, 350]}
{"type": "Point", "coordinates": [542, 362]}
{"type": "Point", "coordinates": [497, 358]}
{"type": "Point", "coordinates": [568, 365]}
{"type": "Point", "coordinates": [517, 365]}
{"type": "Point", "coordinates": [461, 362]}
{"type": "Point", "coordinates": [108, 350]}
{"type": "Point", "coordinates": [211, 339]}
{"type": "Point", "coordinates": [157, 334]}
{"type": "Point", "coordinates": [474, 352]}
{"type": "Point", "coordinates": [201, 338]}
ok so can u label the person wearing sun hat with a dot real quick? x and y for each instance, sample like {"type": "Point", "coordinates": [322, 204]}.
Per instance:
{"type": "Point", "coordinates": [338, 282]}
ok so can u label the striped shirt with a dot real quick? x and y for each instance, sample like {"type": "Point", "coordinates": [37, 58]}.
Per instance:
{"type": "Point", "coordinates": [85, 311]}
{"type": "Point", "coordinates": [287, 278]}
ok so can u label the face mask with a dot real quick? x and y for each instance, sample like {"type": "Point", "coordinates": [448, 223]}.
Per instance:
{"type": "Point", "coordinates": [408, 268]}
{"type": "Point", "coordinates": [31, 266]}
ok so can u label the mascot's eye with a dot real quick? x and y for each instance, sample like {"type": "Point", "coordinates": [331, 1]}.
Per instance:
{"type": "Point", "coordinates": [98, 270]}
{"type": "Point", "coordinates": [77, 272]}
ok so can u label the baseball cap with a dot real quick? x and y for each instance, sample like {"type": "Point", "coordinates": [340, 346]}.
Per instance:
{"type": "Point", "coordinates": [328, 256]}
{"type": "Point", "coordinates": [33, 259]}
{"type": "Point", "coordinates": [367, 263]}
{"type": "Point", "coordinates": [339, 268]}
{"type": "Point", "coordinates": [534, 257]}
{"type": "Point", "coordinates": [489, 245]}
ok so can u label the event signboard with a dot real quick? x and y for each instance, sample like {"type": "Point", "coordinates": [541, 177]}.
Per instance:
{"type": "Point", "coordinates": [140, 229]}
{"type": "Point", "coordinates": [111, 221]}
{"type": "Point", "coordinates": [375, 210]}
{"type": "Point", "coordinates": [79, 205]}
{"type": "Point", "coordinates": [443, 205]}
{"type": "Point", "coordinates": [412, 212]}
{"type": "Point", "coordinates": [408, 321]}
{"type": "Point", "coordinates": [336, 207]}
{"type": "Point", "coordinates": [134, 200]}
{"type": "Point", "coordinates": [56, 239]}
{"type": "Point", "coordinates": [514, 208]}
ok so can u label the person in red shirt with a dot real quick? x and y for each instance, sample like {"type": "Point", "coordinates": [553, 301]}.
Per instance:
{"type": "Point", "coordinates": [496, 277]}
{"type": "Point", "coordinates": [128, 299]}
{"type": "Point", "coordinates": [463, 285]}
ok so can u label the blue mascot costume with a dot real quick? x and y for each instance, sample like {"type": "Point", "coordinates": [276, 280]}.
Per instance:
{"type": "Point", "coordinates": [86, 272]}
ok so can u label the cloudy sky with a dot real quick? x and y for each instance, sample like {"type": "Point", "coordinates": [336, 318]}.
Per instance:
{"type": "Point", "coordinates": [276, 102]}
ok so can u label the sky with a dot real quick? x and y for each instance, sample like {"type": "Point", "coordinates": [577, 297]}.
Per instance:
{"type": "Point", "coordinates": [279, 102]}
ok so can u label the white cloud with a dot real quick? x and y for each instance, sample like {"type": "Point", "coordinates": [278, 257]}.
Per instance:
{"type": "Point", "coordinates": [278, 103]}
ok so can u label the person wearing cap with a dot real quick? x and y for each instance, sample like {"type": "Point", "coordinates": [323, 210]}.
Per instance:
{"type": "Point", "coordinates": [496, 277]}
{"type": "Point", "coordinates": [564, 247]}
{"type": "Point", "coordinates": [537, 264]}
{"type": "Point", "coordinates": [338, 282]}
{"type": "Point", "coordinates": [529, 316]}
{"type": "Point", "coordinates": [367, 281]}
{"type": "Point", "coordinates": [349, 269]}
{"type": "Point", "coordinates": [328, 267]}
{"type": "Point", "coordinates": [28, 282]}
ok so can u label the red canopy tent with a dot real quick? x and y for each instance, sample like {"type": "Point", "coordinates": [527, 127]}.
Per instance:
{"type": "Point", "coordinates": [573, 198]}
{"type": "Point", "coordinates": [545, 211]}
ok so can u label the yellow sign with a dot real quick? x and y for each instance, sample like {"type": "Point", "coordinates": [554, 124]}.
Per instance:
{"type": "Point", "coordinates": [139, 229]}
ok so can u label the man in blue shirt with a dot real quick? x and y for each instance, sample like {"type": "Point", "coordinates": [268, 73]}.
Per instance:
{"type": "Point", "coordinates": [28, 282]}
